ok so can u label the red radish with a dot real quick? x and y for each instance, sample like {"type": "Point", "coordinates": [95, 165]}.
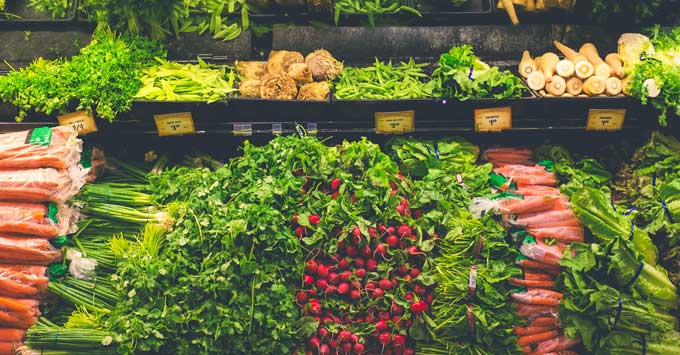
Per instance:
{"type": "Point", "coordinates": [385, 338]}
{"type": "Point", "coordinates": [354, 338]}
{"type": "Point", "coordinates": [435, 236]}
{"type": "Point", "coordinates": [384, 315]}
{"type": "Point", "coordinates": [344, 335]}
{"type": "Point", "coordinates": [347, 348]}
{"type": "Point", "coordinates": [333, 278]}
{"type": "Point", "coordinates": [372, 232]}
{"type": "Point", "coordinates": [413, 250]}
{"type": "Point", "coordinates": [314, 342]}
{"type": "Point", "coordinates": [332, 343]}
{"type": "Point", "coordinates": [351, 251]}
{"type": "Point", "coordinates": [389, 352]}
{"type": "Point", "coordinates": [360, 273]}
{"type": "Point", "coordinates": [382, 228]}
{"type": "Point", "coordinates": [396, 309]}
{"type": "Point", "coordinates": [322, 332]}
{"type": "Point", "coordinates": [308, 279]}
{"type": "Point", "coordinates": [385, 284]}
{"type": "Point", "coordinates": [381, 325]}
{"type": "Point", "coordinates": [415, 272]}
{"type": "Point", "coordinates": [377, 293]}
{"type": "Point", "coordinates": [315, 307]}
{"type": "Point", "coordinates": [429, 298]}
{"type": "Point", "coordinates": [404, 202]}
{"type": "Point", "coordinates": [343, 288]}
{"type": "Point", "coordinates": [399, 342]}
{"type": "Point", "coordinates": [366, 251]}
{"type": "Point", "coordinates": [322, 284]}
{"type": "Point", "coordinates": [358, 348]}
{"type": "Point", "coordinates": [300, 232]}
{"type": "Point", "coordinates": [303, 191]}
{"type": "Point", "coordinates": [359, 263]}
{"type": "Point", "coordinates": [298, 172]}
{"type": "Point", "coordinates": [392, 241]}
{"type": "Point", "coordinates": [409, 297]}
{"type": "Point", "coordinates": [407, 278]}
{"type": "Point", "coordinates": [372, 265]}
{"type": "Point", "coordinates": [390, 230]}
{"type": "Point", "coordinates": [311, 266]}
{"type": "Point", "coordinates": [345, 275]}
{"type": "Point", "coordinates": [295, 218]}
{"type": "Point", "coordinates": [419, 289]}
{"type": "Point", "coordinates": [355, 294]}
{"type": "Point", "coordinates": [311, 292]}
{"type": "Point", "coordinates": [395, 283]}
{"type": "Point", "coordinates": [322, 270]}
{"type": "Point", "coordinates": [335, 195]}
{"type": "Point", "coordinates": [330, 290]}
{"type": "Point", "coordinates": [402, 269]}
{"type": "Point", "coordinates": [341, 245]}
{"type": "Point", "coordinates": [301, 297]}
{"type": "Point", "coordinates": [404, 230]}
{"type": "Point", "coordinates": [369, 319]}
{"type": "Point", "coordinates": [370, 286]}
{"type": "Point", "coordinates": [381, 250]}
{"type": "Point", "coordinates": [314, 219]}
{"type": "Point", "coordinates": [324, 350]}
{"type": "Point", "coordinates": [409, 351]}
{"type": "Point", "coordinates": [344, 263]}
{"type": "Point", "coordinates": [400, 209]}
{"type": "Point", "coordinates": [397, 321]}
{"type": "Point", "coordinates": [335, 183]}
{"type": "Point", "coordinates": [356, 232]}
{"type": "Point", "coordinates": [417, 214]}
{"type": "Point", "coordinates": [418, 307]}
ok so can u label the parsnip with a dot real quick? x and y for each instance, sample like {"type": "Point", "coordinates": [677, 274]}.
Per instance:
{"type": "Point", "coordinates": [565, 68]}
{"type": "Point", "coordinates": [536, 80]}
{"type": "Point", "coordinates": [530, 6]}
{"type": "Point", "coordinates": [574, 86]}
{"type": "Point", "coordinates": [540, 5]}
{"type": "Point", "coordinates": [653, 89]}
{"type": "Point", "coordinates": [616, 64]}
{"type": "Point", "coordinates": [613, 86]}
{"type": "Point", "coordinates": [624, 85]}
{"type": "Point", "coordinates": [548, 63]}
{"type": "Point", "coordinates": [557, 86]}
{"type": "Point", "coordinates": [527, 65]}
{"type": "Point", "coordinates": [593, 86]}
{"type": "Point", "coordinates": [510, 9]}
{"type": "Point", "coordinates": [582, 67]}
{"type": "Point", "coordinates": [602, 69]}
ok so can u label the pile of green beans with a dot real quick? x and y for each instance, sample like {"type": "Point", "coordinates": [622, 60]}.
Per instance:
{"type": "Point", "coordinates": [384, 81]}
{"type": "Point", "coordinates": [373, 8]}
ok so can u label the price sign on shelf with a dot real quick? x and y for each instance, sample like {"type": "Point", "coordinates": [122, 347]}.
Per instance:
{"type": "Point", "coordinates": [605, 119]}
{"type": "Point", "coordinates": [243, 129]}
{"type": "Point", "coordinates": [175, 124]}
{"type": "Point", "coordinates": [394, 122]}
{"type": "Point", "coordinates": [81, 121]}
{"type": "Point", "coordinates": [493, 119]}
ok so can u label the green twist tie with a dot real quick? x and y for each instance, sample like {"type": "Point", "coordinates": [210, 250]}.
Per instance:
{"type": "Point", "coordinates": [498, 180]}
{"type": "Point", "coordinates": [529, 239]}
{"type": "Point", "coordinates": [86, 157]}
{"type": "Point", "coordinates": [519, 289]}
{"type": "Point", "coordinates": [57, 271]}
{"type": "Point", "coordinates": [52, 211]}
{"type": "Point", "coordinates": [521, 257]}
{"type": "Point", "coordinates": [549, 165]}
{"type": "Point", "coordinates": [59, 242]}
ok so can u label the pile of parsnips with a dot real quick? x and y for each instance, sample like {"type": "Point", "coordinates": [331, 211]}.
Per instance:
{"type": "Point", "coordinates": [582, 74]}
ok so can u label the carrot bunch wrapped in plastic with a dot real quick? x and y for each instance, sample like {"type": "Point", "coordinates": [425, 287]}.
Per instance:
{"type": "Point", "coordinates": [41, 185]}
{"type": "Point", "coordinates": [27, 251]}
{"type": "Point", "coordinates": [44, 147]}
{"type": "Point", "coordinates": [508, 156]}
{"type": "Point", "coordinates": [37, 219]}
{"type": "Point", "coordinates": [23, 281]}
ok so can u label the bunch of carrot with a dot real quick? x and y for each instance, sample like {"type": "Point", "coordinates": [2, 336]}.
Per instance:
{"type": "Point", "coordinates": [543, 217]}
{"type": "Point", "coordinates": [581, 73]}
{"type": "Point", "coordinates": [39, 170]}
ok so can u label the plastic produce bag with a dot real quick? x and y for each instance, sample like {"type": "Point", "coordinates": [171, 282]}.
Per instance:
{"type": "Point", "coordinates": [27, 251]}
{"type": "Point", "coordinates": [41, 185]}
{"type": "Point", "coordinates": [23, 281]}
{"type": "Point", "coordinates": [36, 219]}
{"type": "Point", "coordinates": [43, 147]}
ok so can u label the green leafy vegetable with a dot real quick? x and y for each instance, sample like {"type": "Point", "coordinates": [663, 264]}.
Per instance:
{"type": "Point", "coordinates": [383, 81]}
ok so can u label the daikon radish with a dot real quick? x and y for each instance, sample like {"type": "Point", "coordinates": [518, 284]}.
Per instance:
{"type": "Point", "coordinates": [557, 86]}
{"type": "Point", "coordinates": [548, 63]}
{"type": "Point", "coordinates": [510, 9]}
{"type": "Point", "coordinates": [613, 86]}
{"type": "Point", "coordinates": [527, 65]}
{"type": "Point", "coordinates": [616, 64]}
{"type": "Point", "coordinates": [536, 80]}
{"type": "Point", "coordinates": [582, 67]}
{"type": "Point", "coordinates": [593, 86]}
{"type": "Point", "coordinates": [602, 69]}
{"type": "Point", "coordinates": [565, 68]}
{"type": "Point", "coordinates": [574, 86]}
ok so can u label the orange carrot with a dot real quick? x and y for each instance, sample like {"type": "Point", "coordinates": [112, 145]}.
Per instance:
{"type": "Point", "coordinates": [11, 334]}
{"type": "Point", "coordinates": [529, 275]}
{"type": "Point", "coordinates": [531, 283]}
{"type": "Point", "coordinates": [532, 310]}
{"type": "Point", "coordinates": [537, 338]}
{"type": "Point", "coordinates": [531, 330]}
{"type": "Point", "coordinates": [9, 347]}
{"type": "Point", "coordinates": [547, 322]}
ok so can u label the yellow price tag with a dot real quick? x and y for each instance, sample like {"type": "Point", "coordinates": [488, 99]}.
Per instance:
{"type": "Point", "coordinates": [493, 119]}
{"type": "Point", "coordinates": [243, 129]}
{"type": "Point", "coordinates": [174, 124]}
{"type": "Point", "coordinates": [394, 122]}
{"type": "Point", "coordinates": [81, 122]}
{"type": "Point", "coordinates": [605, 119]}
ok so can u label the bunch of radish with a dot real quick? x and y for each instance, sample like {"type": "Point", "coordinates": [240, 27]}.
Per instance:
{"type": "Point", "coordinates": [368, 294]}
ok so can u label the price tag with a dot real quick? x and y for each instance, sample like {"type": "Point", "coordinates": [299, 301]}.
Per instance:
{"type": "Point", "coordinates": [312, 129]}
{"type": "Point", "coordinates": [243, 129]}
{"type": "Point", "coordinates": [493, 119]}
{"type": "Point", "coordinates": [394, 122]}
{"type": "Point", "coordinates": [81, 121]}
{"type": "Point", "coordinates": [175, 124]}
{"type": "Point", "coordinates": [277, 129]}
{"type": "Point", "coordinates": [605, 119]}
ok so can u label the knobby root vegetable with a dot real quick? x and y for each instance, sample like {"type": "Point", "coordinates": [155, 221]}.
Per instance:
{"type": "Point", "coordinates": [527, 65]}
{"type": "Point", "coordinates": [548, 63]}
{"type": "Point", "coordinates": [314, 91]}
{"type": "Point", "coordinates": [582, 67]}
{"type": "Point", "coordinates": [613, 86]}
{"type": "Point", "coordinates": [624, 85]}
{"type": "Point", "coordinates": [510, 9]}
{"type": "Point", "coordinates": [280, 61]}
{"type": "Point", "coordinates": [565, 68]}
{"type": "Point", "coordinates": [536, 80]}
{"type": "Point", "coordinates": [278, 86]}
{"type": "Point", "coordinates": [323, 65]}
{"type": "Point", "coordinates": [602, 69]}
{"type": "Point", "coordinates": [614, 61]}
{"type": "Point", "coordinates": [250, 88]}
{"type": "Point", "coordinates": [300, 73]}
{"type": "Point", "coordinates": [251, 70]}
{"type": "Point", "coordinates": [594, 86]}
{"type": "Point", "coordinates": [574, 86]}
{"type": "Point", "coordinates": [557, 86]}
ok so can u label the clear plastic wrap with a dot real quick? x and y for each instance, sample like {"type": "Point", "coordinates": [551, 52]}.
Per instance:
{"type": "Point", "coordinates": [44, 147]}
{"type": "Point", "coordinates": [41, 185]}
{"type": "Point", "coordinates": [19, 281]}
{"type": "Point", "coordinates": [550, 219]}
{"type": "Point", "coordinates": [18, 313]}
{"type": "Point", "coordinates": [27, 251]}
{"type": "Point", "coordinates": [528, 175]}
{"type": "Point", "coordinates": [508, 156]}
{"type": "Point", "coordinates": [94, 159]}
{"type": "Point", "coordinates": [37, 219]}
{"type": "Point", "coordinates": [548, 254]}
{"type": "Point", "coordinates": [532, 204]}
